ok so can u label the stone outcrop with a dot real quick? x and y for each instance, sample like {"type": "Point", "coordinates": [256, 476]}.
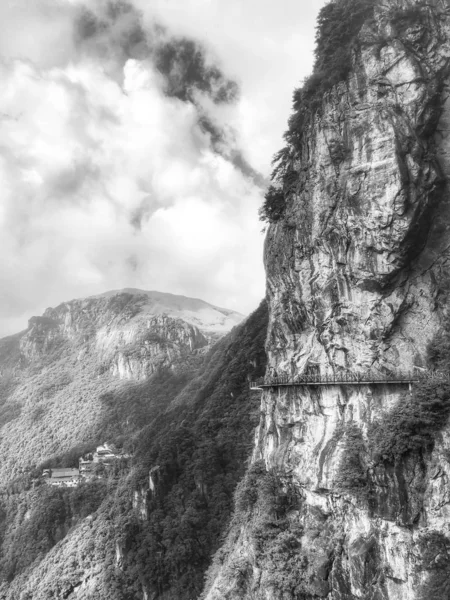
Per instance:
{"type": "Point", "coordinates": [357, 279]}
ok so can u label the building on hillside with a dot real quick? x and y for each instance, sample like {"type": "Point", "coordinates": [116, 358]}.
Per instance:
{"type": "Point", "coordinates": [62, 477]}
{"type": "Point", "coordinates": [105, 453]}
{"type": "Point", "coordinates": [85, 465]}
{"type": "Point", "coordinates": [91, 465]}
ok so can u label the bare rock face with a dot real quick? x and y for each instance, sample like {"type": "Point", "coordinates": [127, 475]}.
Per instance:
{"type": "Point", "coordinates": [351, 269]}
{"type": "Point", "coordinates": [358, 280]}
{"type": "Point", "coordinates": [131, 333]}
{"type": "Point", "coordinates": [122, 331]}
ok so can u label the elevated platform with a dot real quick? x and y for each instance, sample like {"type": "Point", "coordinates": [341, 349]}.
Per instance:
{"type": "Point", "coordinates": [348, 379]}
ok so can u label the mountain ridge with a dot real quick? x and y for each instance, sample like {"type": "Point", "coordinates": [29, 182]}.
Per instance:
{"type": "Point", "coordinates": [207, 317]}
{"type": "Point", "coordinates": [156, 293]}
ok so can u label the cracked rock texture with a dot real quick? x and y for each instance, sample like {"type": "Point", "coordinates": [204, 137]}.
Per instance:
{"type": "Point", "coordinates": [357, 279]}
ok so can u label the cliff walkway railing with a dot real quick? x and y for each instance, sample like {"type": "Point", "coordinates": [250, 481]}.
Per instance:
{"type": "Point", "coordinates": [367, 378]}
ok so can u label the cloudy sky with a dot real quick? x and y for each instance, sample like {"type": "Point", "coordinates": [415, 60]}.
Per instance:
{"type": "Point", "coordinates": [136, 140]}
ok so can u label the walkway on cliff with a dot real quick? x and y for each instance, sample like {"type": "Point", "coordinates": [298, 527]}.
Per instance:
{"type": "Point", "coordinates": [367, 378]}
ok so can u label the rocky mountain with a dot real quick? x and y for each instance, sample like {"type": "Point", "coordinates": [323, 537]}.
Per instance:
{"type": "Point", "coordinates": [211, 320]}
{"type": "Point", "coordinates": [56, 375]}
{"type": "Point", "coordinates": [348, 493]}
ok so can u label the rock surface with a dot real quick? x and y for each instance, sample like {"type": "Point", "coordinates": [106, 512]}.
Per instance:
{"type": "Point", "coordinates": [357, 279]}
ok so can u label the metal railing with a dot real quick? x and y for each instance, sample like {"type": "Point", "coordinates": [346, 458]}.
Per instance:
{"type": "Point", "coordinates": [349, 378]}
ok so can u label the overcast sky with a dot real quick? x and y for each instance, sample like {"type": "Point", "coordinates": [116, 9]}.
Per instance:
{"type": "Point", "coordinates": [136, 140]}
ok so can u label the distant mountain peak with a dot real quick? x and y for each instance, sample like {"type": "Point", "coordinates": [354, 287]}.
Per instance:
{"type": "Point", "coordinates": [205, 316]}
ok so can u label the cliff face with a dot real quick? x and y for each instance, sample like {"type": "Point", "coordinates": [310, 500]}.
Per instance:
{"type": "Point", "coordinates": [357, 280]}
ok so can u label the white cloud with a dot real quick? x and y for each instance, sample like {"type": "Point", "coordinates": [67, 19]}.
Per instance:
{"type": "Point", "coordinates": [37, 30]}
{"type": "Point", "coordinates": [107, 182]}
{"type": "Point", "coordinates": [267, 46]}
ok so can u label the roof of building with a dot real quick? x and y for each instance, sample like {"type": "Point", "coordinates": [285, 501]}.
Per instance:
{"type": "Point", "coordinates": [105, 448]}
{"type": "Point", "coordinates": [64, 473]}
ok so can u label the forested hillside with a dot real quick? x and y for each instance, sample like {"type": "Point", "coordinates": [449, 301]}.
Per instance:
{"type": "Point", "coordinates": [116, 538]}
{"type": "Point", "coordinates": [68, 382]}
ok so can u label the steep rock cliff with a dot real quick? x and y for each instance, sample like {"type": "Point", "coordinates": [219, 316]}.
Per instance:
{"type": "Point", "coordinates": [357, 280]}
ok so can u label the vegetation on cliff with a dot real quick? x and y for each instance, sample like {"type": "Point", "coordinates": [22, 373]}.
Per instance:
{"type": "Point", "coordinates": [270, 516]}
{"type": "Point", "coordinates": [407, 429]}
{"type": "Point", "coordinates": [413, 423]}
{"type": "Point", "coordinates": [352, 473]}
{"type": "Point", "coordinates": [434, 550]}
{"type": "Point", "coordinates": [338, 27]}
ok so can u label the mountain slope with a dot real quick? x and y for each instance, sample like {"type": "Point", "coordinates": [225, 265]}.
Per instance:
{"type": "Point", "coordinates": [56, 375]}
{"type": "Point", "coordinates": [148, 527]}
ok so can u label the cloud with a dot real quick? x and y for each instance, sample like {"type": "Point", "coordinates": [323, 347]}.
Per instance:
{"type": "Point", "coordinates": [116, 32]}
{"type": "Point", "coordinates": [265, 46]}
{"type": "Point", "coordinates": [34, 30]}
{"type": "Point", "coordinates": [132, 156]}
